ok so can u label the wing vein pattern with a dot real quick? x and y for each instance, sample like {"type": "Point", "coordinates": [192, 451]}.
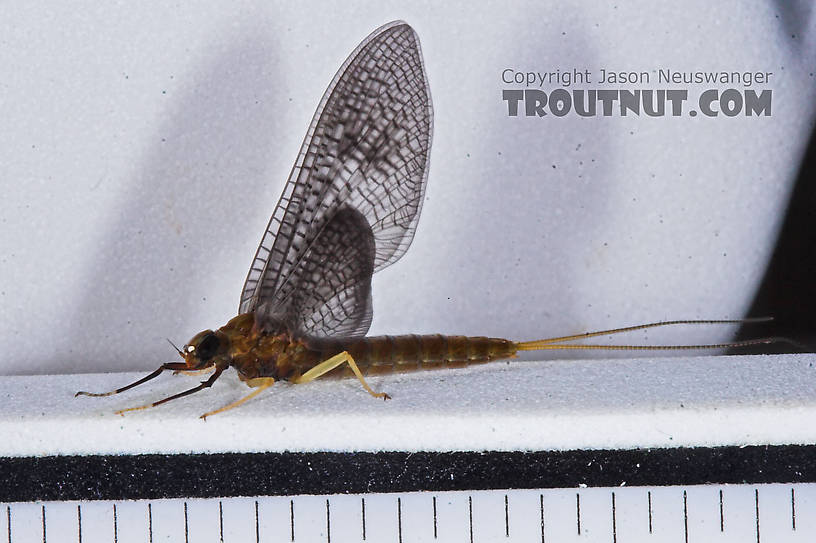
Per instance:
{"type": "Point", "coordinates": [352, 201]}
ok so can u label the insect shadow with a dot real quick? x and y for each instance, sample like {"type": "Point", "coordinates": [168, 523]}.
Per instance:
{"type": "Point", "coordinates": [215, 138]}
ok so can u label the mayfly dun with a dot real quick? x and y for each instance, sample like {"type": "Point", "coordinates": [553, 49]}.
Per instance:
{"type": "Point", "coordinates": [349, 209]}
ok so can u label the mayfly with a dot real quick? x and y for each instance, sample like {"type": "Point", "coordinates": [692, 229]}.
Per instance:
{"type": "Point", "coordinates": [349, 208]}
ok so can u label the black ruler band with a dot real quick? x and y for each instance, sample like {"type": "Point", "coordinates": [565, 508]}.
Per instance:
{"type": "Point", "coordinates": [154, 476]}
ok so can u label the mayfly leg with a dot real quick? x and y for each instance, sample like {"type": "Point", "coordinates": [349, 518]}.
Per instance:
{"type": "Point", "coordinates": [204, 384]}
{"type": "Point", "coordinates": [327, 365]}
{"type": "Point", "coordinates": [175, 366]}
{"type": "Point", "coordinates": [259, 384]}
{"type": "Point", "coordinates": [194, 372]}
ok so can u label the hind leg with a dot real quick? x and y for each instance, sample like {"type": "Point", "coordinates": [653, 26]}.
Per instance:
{"type": "Point", "coordinates": [338, 360]}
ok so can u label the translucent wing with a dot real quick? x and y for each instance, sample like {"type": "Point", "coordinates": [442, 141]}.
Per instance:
{"type": "Point", "coordinates": [366, 150]}
{"type": "Point", "coordinates": [330, 289]}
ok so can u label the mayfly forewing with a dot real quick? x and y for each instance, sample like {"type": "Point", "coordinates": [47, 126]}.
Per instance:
{"type": "Point", "coordinates": [365, 158]}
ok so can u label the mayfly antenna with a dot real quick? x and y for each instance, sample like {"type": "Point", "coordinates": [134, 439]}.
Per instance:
{"type": "Point", "coordinates": [174, 346]}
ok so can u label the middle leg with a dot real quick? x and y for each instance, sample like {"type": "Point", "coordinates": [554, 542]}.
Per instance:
{"type": "Point", "coordinates": [259, 384]}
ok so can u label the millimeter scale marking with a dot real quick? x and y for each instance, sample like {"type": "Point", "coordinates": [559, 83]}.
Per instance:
{"type": "Point", "coordinates": [722, 520]}
{"type": "Point", "coordinates": [625, 514]}
{"type": "Point", "coordinates": [614, 521]}
{"type": "Point", "coordinates": [362, 513]}
{"type": "Point", "coordinates": [506, 517]}
{"type": "Point", "coordinates": [578, 511]}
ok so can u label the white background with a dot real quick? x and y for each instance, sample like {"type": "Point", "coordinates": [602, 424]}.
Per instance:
{"type": "Point", "coordinates": [143, 148]}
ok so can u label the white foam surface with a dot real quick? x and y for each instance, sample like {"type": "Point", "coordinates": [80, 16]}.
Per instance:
{"type": "Point", "coordinates": [551, 405]}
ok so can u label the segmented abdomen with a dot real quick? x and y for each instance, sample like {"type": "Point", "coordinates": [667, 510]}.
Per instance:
{"type": "Point", "coordinates": [401, 354]}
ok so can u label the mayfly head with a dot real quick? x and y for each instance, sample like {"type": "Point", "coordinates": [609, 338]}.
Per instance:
{"type": "Point", "coordinates": [203, 350]}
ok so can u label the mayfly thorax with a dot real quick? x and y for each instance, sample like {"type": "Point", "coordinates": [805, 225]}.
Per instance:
{"type": "Point", "coordinates": [349, 208]}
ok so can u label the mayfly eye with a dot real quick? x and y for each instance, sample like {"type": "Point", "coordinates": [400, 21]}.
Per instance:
{"type": "Point", "coordinates": [208, 347]}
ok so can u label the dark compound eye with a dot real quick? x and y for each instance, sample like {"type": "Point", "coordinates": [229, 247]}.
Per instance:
{"type": "Point", "coordinates": [208, 346]}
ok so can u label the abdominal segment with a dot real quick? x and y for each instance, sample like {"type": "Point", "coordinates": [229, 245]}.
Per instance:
{"type": "Point", "coordinates": [402, 354]}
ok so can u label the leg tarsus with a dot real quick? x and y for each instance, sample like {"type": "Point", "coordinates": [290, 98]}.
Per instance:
{"type": "Point", "coordinates": [333, 362]}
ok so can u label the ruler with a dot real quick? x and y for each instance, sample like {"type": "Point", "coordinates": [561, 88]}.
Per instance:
{"type": "Point", "coordinates": [759, 493]}
{"type": "Point", "coordinates": [725, 513]}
